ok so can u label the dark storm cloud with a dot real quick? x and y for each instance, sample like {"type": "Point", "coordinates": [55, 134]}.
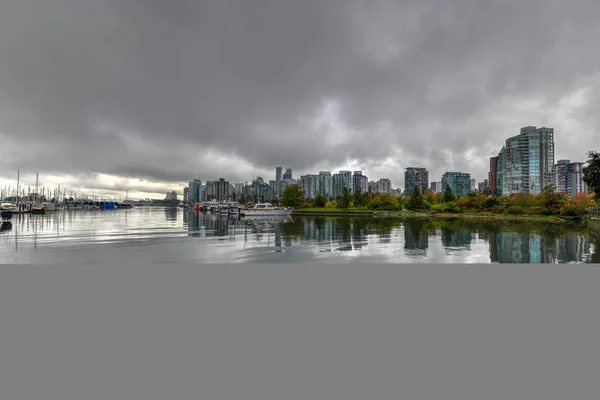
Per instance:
{"type": "Point", "coordinates": [154, 89]}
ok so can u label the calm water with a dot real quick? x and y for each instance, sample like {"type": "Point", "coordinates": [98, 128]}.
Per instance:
{"type": "Point", "coordinates": [160, 235]}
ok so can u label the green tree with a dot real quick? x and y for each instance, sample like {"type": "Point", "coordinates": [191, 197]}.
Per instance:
{"type": "Point", "coordinates": [448, 195]}
{"type": "Point", "coordinates": [345, 200]}
{"type": "Point", "coordinates": [320, 201]}
{"type": "Point", "coordinates": [292, 196]}
{"type": "Point", "coordinates": [416, 201]}
{"type": "Point", "coordinates": [233, 195]}
{"type": "Point", "coordinates": [591, 172]}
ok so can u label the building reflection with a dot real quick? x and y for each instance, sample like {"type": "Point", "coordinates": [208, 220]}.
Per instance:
{"type": "Point", "coordinates": [534, 248]}
{"type": "Point", "coordinates": [523, 244]}
{"type": "Point", "coordinates": [416, 238]}
{"type": "Point", "coordinates": [456, 239]}
{"type": "Point", "coordinates": [171, 213]}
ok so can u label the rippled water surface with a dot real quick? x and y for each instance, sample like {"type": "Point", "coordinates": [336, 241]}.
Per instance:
{"type": "Point", "coordinates": [159, 235]}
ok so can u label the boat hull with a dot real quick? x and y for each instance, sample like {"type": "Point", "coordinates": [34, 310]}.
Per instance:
{"type": "Point", "coordinates": [266, 213]}
{"type": "Point", "coordinates": [7, 215]}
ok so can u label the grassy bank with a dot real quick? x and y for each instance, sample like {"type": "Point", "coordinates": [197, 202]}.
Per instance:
{"type": "Point", "coordinates": [410, 214]}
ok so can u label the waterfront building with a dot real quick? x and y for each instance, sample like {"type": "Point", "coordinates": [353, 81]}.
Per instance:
{"type": "Point", "coordinates": [326, 185]}
{"type": "Point", "coordinates": [528, 163]}
{"type": "Point", "coordinates": [568, 177]}
{"type": "Point", "coordinates": [415, 177]}
{"type": "Point", "coordinates": [310, 186]}
{"type": "Point", "coordinates": [459, 182]}
{"type": "Point", "coordinates": [194, 191]}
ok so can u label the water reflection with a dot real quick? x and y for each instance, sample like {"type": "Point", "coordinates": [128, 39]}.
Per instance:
{"type": "Point", "coordinates": [186, 234]}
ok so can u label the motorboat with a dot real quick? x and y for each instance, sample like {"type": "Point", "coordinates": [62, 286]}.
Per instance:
{"type": "Point", "coordinates": [267, 209]}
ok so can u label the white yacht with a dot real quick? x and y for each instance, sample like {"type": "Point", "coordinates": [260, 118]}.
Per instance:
{"type": "Point", "coordinates": [267, 209]}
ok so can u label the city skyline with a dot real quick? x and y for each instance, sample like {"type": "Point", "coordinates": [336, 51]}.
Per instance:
{"type": "Point", "coordinates": [103, 99]}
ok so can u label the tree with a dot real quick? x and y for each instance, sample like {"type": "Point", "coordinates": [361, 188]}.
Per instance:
{"type": "Point", "coordinates": [233, 195]}
{"type": "Point", "coordinates": [292, 196]}
{"type": "Point", "coordinates": [591, 172]}
{"type": "Point", "coordinates": [416, 201]}
{"type": "Point", "coordinates": [448, 195]}
{"type": "Point", "coordinates": [345, 200]}
{"type": "Point", "coordinates": [320, 201]}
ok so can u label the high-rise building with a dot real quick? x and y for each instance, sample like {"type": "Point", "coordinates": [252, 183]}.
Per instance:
{"type": "Point", "coordinates": [436, 187]}
{"type": "Point", "coordinates": [185, 193]}
{"type": "Point", "coordinates": [500, 173]}
{"type": "Point", "coordinates": [473, 185]}
{"type": "Point", "coordinates": [288, 174]}
{"type": "Point", "coordinates": [384, 186]}
{"type": "Point", "coordinates": [194, 191]}
{"type": "Point", "coordinates": [221, 190]}
{"type": "Point", "coordinates": [325, 185]}
{"type": "Point", "coordinates": [415, 177]}
{"type": "Point", "coordinates": [459, 182]}
{"type": "Point", "coordinates": [528, 161]}
{"type": "Point", "coordinates": [341, 180]}
{"type": "Point", "coordinates": [278, 173]}
{"type": "Point", "coordinates": [260, 189]}
{"type": "Point", "coordinates": [310, 186]}
{"type": "Point", "coordinates": [359, 181]}
{"type": "Point", "coordinates": [171, 195]}
{"type": "Point", "coordinates": [239, 189]}
{"type": "Point", "coordinates": [568, 177]}
{"type": "Point", "coordinates": [211, 194]}
{"type": "Point", "coordinates": [483, 186]}
{"type": "Point", "coordinates": [492, 174]}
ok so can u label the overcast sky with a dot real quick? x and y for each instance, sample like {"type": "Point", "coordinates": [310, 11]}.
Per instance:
{"type": "Point", "coordinates": [107, 95]}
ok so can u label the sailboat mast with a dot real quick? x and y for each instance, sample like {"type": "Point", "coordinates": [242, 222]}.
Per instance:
{"type": "Point", "coordinates": [36, 187]}
{"type": "Point", "coordinates": [18, 177]}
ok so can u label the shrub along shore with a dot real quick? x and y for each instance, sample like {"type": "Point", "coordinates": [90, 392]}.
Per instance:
{"type": "Point", "coordinates": [548, 206]}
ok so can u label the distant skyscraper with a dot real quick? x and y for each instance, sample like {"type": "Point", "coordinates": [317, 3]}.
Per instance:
{"type": "Point", "coordinates": [459, 182]}
{"type": "Point", "coordinates": [171, 196]}
{"type": "Point", "coordinates": [415, 177]}
{"type": "Point", "coordinates": [288, 174]}
{"type": "Point", "coordinates": [210, 191]}
{"type": "Point", "coordinates": [221, 190]}
{"type": "Point", "coordinates": [529, 161]}
{"type": "Point", "coordinates": [278, 173]}
{"type": "Point", "coordinates": [239, 189]}
{"type": "Point", "coordinates": [473, 185]}
{"type": "Point", "coordinates": [436, 187]}
{"type": "Point", "coordinates": [185, 193]}
{"type": "Point", "coordinates": [384, 186]}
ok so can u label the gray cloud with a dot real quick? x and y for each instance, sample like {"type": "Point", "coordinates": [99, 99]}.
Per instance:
{"type": "Point", "coordinates": [161, 90]}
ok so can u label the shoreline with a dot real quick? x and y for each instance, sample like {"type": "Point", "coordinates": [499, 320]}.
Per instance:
{"type": "Point", "coordinates": [403, 214]}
